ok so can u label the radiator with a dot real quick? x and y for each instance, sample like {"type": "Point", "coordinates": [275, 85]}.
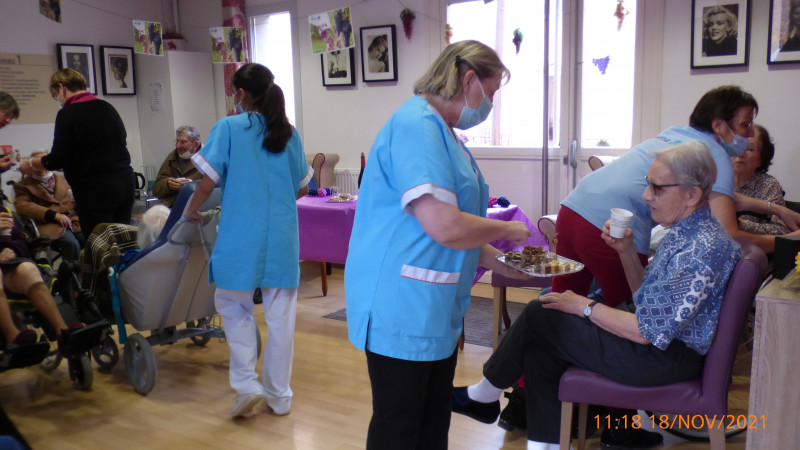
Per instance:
{"type": "Point", "coordinates": [346, 180]}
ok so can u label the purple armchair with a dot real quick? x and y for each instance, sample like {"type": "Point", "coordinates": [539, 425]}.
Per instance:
{"type": "Point", "coordinates": [707, 394]}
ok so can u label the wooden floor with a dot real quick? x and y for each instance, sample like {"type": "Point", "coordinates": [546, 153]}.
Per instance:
{"type": "Point", "coordinates": [189, 406]}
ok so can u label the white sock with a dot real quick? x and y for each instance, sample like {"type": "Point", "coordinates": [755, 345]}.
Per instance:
{"type": "Point", "coordinates": [557, 446]}
{"type": "Point", "coordinates": [534, 445]}
{"type": "Point", "coordinates": [484, 392]}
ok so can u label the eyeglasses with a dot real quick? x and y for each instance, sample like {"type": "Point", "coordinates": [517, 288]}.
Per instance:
{"type": "Point", "coordinates": [657, 188]}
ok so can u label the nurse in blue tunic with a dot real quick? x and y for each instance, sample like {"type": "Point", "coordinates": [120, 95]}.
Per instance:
{"type": "Point", "coordinates": [419, 234]}
{"type": "Point", "coordinates": [257, 159]}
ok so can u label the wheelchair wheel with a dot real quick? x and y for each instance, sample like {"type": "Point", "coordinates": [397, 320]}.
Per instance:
{"type": "Point", "coordinates": [201, 340]}
{"type": "Point", "coordinates": [53, 358]}
{"type": "Point", "coordinates": [80, 371]}
{"type": "Point", "coordinates": [140, 363]}
{"type": "Point", "coordinates": [106, 355]}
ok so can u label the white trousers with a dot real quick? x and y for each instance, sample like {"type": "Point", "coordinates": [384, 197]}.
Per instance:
{"type": "Point", "coordinates": [280, 307]}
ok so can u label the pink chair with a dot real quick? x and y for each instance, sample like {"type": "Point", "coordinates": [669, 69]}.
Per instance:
{"type": "Point", "coordinates": [705, 395]}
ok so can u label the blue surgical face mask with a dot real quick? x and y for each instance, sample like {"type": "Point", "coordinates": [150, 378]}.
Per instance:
{"type": "Point", "coordinates": [470, 116]}
{"type": "Point", "coordinates": [60, 104]}
{"type": "Point", "coordinates": [735, 148]}
{"type": "Point", "coordinates": [239, 109]}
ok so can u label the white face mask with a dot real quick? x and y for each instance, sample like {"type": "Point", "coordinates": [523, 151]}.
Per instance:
{"type": "Point", "coordinates": [44, 177]}
{"type": "Point", "coordinates": [185, 155]}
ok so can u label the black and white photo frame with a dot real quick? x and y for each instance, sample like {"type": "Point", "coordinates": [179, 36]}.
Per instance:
{"type": "Point", "coordinates": [783, 42]}
{"type": "Point", "coordinates": [378, 53]}
{"type": "Point", "coordinates": [79, 57]}
{"type": "Point", "coordinates": [338, 68]}
{"type": "Point", "coordinates": [720, 33]}
{"type": "Point", "coordinates": [116, 68]}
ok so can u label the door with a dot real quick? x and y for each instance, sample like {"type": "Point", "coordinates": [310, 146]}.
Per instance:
{"type": "Point", "coordinates": [585, 106]}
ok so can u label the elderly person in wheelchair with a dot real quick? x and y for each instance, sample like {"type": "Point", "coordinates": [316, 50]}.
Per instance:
{"type": "Point", "coordinates": [21, 276]}
{"type": "Point", "coordinates": [677, 300]}
{"type": "Point", "coordinates": [46, 198]}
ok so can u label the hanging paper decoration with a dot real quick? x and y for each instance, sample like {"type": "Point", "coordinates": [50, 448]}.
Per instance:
{"type": "Point", "coordinates": [601, 63]}
{"type": "Point", "coordinates": [620, 14]}
{"type": "Point", "coordinates": [448, 33]}
{"type": "Point", "coordinates": [407, 16]}
{"type": "Point", "coordinates": [517, 39]}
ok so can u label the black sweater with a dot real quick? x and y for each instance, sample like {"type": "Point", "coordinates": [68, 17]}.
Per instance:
{"type": "Point", "coordinates": [89, 144]}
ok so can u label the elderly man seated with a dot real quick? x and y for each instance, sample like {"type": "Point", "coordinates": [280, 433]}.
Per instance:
{"type": "Point", "coordinates": [46, 198]}
{"type": "Point", "coordinates": [177, 169]}
{"type": "Point", "coordinates": [664, 341]}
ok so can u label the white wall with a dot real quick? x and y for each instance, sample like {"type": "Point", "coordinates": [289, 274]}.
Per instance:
{"type": "Point", "coordinates": [96, 22]}
{"type": "Point", "coordinates": [776, 87]}
{"type": "Point", "coordinates": [346, 119]}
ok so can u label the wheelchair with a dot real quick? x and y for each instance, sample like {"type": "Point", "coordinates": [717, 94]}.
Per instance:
{"type": "Point", "coordinates": [45, 352]}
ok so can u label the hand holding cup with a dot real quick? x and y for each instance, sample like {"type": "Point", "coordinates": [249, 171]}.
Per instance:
{"type": "Point", "coordinates": [620, 221]}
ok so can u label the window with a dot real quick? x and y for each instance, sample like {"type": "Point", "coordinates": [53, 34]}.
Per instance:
{"type": "Point", "coordinates": [517, 114]}
{"type": "Point", "coordinates": [606, 67]}
{"type": "Point", "coordinates": [607, 75]}
{"type": "Point", "coordinates": [272, 47]}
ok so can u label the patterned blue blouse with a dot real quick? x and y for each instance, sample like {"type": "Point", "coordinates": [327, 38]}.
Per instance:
{"type": "Point", "coordinates": [681, 294]}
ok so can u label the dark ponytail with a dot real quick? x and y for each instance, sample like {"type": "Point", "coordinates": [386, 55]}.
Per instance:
{"type": "Point", "coordinates": [267, 98]}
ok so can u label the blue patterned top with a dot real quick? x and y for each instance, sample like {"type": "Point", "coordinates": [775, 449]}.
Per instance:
{"type": "Point", "coordinates": [681, 294]}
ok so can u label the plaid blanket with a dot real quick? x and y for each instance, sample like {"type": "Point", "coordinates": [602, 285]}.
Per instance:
{"type": "Point", "coordinates": [104, 248]}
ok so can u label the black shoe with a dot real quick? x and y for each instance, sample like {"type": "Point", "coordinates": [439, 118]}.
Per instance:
{"type": "Point", "coordinates": [513, 415]}
{"type": "Point", "coordinates": [629, 438]}
{"type": "Point", "coordinates": [482, 412]}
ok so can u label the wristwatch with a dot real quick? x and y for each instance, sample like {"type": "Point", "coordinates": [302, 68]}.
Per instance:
{"type": "Point", "coordinates": [587, 311]}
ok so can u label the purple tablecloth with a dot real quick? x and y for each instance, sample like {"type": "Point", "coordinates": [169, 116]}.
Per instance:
{"type": "Point", "coordinates": [324, 228]}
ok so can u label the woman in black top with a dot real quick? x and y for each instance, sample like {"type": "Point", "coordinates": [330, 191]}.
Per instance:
{"type": "Point", "coordinates": [90, 147]}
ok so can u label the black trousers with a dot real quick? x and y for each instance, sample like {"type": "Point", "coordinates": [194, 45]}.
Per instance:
{"type": "Point", "coordinates": [543, 343]}
{"type": "Point", "coordinates": [105, 200]}
{"type": "Point", "coordinates": [411, 402]}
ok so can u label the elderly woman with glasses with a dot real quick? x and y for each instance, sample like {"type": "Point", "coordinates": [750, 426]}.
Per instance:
{"type": "Point", "coordinates": [754, 183]}
{"type": "Point", "coordinates": [640, 348]}
{"type": "Point", "coordinates": [723, 120]}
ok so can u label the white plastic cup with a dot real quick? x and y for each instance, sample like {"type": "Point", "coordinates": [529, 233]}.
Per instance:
{"type": "Point", "coordinates": [620, 221]}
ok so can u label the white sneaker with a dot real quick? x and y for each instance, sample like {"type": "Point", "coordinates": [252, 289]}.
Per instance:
{"type": "Point", "coordinates": [281, 408]}
{"type": "Point", "coordinates": [246, 404]}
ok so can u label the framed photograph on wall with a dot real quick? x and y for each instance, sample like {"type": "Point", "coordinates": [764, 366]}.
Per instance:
{"type": "Point", "coordinates": [81, 58]}
{"type": "Point", "coordinates": [116, 68]}
{"type": "Point", "coordinates": [338, 68]}
{"type": "Point", "coordinates": [783, 44]}
{"type": "Point", "coordinates": [378, 53]}
{"type": "Point", "coordinates": [720, 33]}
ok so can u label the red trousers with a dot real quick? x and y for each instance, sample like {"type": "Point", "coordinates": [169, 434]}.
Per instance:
{"type": "Point", "coordinates": [578, 239]}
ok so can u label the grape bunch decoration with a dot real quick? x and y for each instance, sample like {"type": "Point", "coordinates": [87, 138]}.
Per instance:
{"type": "Point", "coordinates": [517, 40]}
{"type": "Point", "coordinates": [407, 16]}
{"type": "Point", "coordinates": [601, 64]}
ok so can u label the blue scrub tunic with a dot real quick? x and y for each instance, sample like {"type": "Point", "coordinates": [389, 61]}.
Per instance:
{"type": "Point", "coordinates": [621, 183]}
{"type": "Point", "coordinates": [258, 244]}
{"type": "Point", "coordinates": [406, 293]}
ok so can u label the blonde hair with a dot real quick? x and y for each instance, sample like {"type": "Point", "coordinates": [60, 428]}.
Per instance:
{"type": "Point", "coordinates": [70, 78]}
{"type": "Point", "coordinates": [443, 78]}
